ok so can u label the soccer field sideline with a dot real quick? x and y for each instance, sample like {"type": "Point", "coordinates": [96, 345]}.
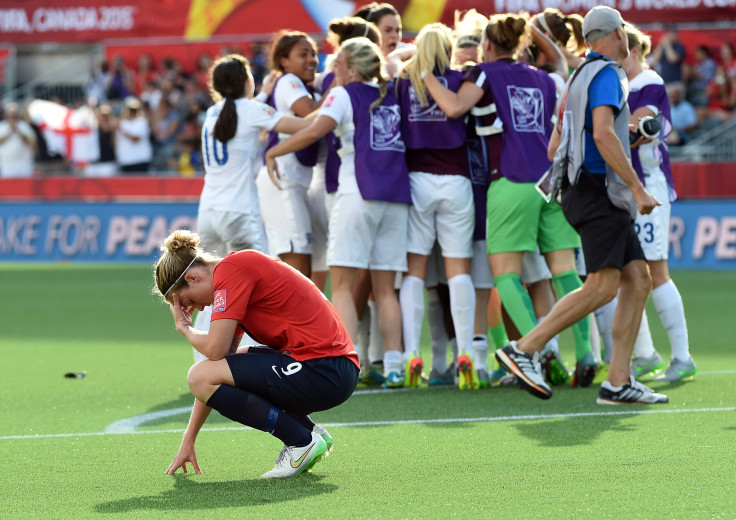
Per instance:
{"type": "Point", "coordinates": [130, 425]}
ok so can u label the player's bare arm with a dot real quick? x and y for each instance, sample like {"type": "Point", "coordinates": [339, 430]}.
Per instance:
{"type": "Point", "coordinates": [613, 153]}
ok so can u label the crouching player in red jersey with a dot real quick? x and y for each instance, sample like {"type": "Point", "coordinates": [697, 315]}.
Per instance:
{"type": "Point", "coordinates": [309, 363]}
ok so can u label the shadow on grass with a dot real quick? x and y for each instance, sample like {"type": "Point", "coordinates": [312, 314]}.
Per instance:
{"type": "Point", "coordinates": [572, 431]}
{"type": "Point", "coordinates": [189, 494]}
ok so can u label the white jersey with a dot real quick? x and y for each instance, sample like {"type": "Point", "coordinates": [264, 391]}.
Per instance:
{"type": "Point", "coordinates": [231, 168]}
{"type": "Point", "coordinates": [289, 89]}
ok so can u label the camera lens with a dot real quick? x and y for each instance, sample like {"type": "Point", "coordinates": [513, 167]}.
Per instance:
{"type": "Point", "coordinates": [649, 127]}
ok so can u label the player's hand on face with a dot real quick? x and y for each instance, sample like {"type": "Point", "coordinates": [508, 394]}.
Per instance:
{"type": "Point", "coordinates": [186, 454]}
{"type": "Point", "coordinates": [273, 171]}
{"type": "Point", "coordinates": [182, 315]}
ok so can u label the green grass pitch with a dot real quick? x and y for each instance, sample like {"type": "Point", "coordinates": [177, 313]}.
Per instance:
{"type": "Point", "coordinates": [97, 447]}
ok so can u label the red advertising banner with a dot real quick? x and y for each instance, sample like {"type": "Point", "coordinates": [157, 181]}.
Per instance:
{"type": "Point", "coordinates": [35, 21]}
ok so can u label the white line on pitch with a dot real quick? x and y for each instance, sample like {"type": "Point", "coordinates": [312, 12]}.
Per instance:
{"type": "Point", "coordinates": [414, 421]}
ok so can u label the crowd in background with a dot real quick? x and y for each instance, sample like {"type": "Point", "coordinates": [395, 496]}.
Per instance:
{"type": "Point", "coordinates": [150, 115]}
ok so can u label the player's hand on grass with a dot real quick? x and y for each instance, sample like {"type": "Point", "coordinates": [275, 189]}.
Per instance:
{"type": "Point", "coordinates": [182, 316]}
{"type": "Point", "coordinates": [186, 454]}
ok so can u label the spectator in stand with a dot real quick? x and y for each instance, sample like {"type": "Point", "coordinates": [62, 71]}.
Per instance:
{"type": "Point", "coordinates": [728, 59]}
{"type": "Point", "coordinates": [202, 74]}
{"type": "Point", "coordinates": [133, 139]}
{"type": "Point", "coordinates": [259, 63]}
{"type": "Point", "coordinates": [165, 125]}
{"type": "Point", "coordinates": [17, 144]}
{"type": "Point", "coordinates": [684, 117]}
{"type": "Point", "coordinates": [151, 95]}
{"type": "Point", "coordinates": [721, 96]}
{"type": "Point", "coordinates": [106, 166]}
{"type": "Point", "coordinates": [668, 56]}
{"type": "Point", "coordinates": [120, 83]}
{"type": "Point", "coordinates": [144, 74]}
{"type": "Point", "coordinates": [699, 75]}
{"type": "Point", "coordinates": [96, 87]}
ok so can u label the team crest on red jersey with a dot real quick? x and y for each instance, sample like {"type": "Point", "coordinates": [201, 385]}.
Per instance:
{"type": "Point", "coordinates": [220, 302]}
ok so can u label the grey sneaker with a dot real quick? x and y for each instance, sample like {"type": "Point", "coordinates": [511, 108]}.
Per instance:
{"type": "Point", "coordinates": [437, 378]}
{"type": "Point", "coordinates": [632, 392]}
{"type": "Point", "coordinates": [643, 366]}
{"type": "Point", "coordinates": [525, 367]}
{"type": "Point", "coordinates": [679, 370]}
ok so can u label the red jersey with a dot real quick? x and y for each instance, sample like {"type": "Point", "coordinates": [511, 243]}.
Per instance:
{"type": "Point", "coordinates": [279, 307]}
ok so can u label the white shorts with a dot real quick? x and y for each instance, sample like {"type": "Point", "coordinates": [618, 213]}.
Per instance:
{"type": "Point", "coordinates": [442, 210]}
{"type": "Point", "coordinates": [534, 267]}
{"type": "Point", "coordinates": [367, 234]}
{"type": "Point", "coordinates": [285, 216]}
{"type": "Point", "coordinates": [225, 231]}
{"type": "Point", "coordinates": [480, 267]}
{"type": "Point", "coordinates": [316, 204]}
{"type": "Point", "coordinates": [654, 229]}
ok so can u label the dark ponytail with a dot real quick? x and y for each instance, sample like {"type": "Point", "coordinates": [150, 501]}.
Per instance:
{"type": "Point", "coordinates": [229, 76]}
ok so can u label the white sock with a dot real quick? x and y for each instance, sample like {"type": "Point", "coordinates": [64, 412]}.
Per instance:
{"type": "Point", "coordinates": [375, 340]}
{"type": "Point", "coordinates": [595, 339]}
{"type": "Point", "coordinates": [455, 350]}
{"type": "Point", "coordinates": [643, 346]}
{"type": "Point", "coordinates": [411, 299]}
{"type": "Point", "coordinates": [668, 302]}
{"type": "Point", "coordinates": [392, 361]}
{"type": "Point", "coordinates": [480, 351]}
{"type": "Point", "coordinates": [604, 317]}
{"type": "Point", "coordinates": [554, 342]}
{"type": "Point", "coordinates": [462, 307]}
{"type": "Point", "coordinates": [437, 332]}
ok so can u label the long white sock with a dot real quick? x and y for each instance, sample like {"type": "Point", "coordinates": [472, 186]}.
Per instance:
{"type": "Point", "coordinates": [554, 343]}
{"type": "Point", "coordinates": [375, 340]}
{"type": "Point", "coordinates": [453, 347]}
{"type": "Point", "coordinates": [411, 299]}
{"type": "Point", "coordinates": [604, 317]}
{"type": "Point", "coordinates": [437, 332]}
{"type": "Point", "coordinates": [595, 339]}
{"type": "Point", "coordinates": [462, 307]}
{"type": "Point", "coordinates": [643, 346]}
{"type": "Point", "coordinates": [392, 361]}
{"type": "Point", "coordinates": [668, 302]}
{"type": "Point", "coordinates": [480, 351]}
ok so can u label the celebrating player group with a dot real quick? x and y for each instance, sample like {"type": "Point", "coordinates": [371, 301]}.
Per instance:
{"type": "Point", "coordinates": [413, 173]}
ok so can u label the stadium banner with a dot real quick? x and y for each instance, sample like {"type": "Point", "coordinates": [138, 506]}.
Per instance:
{"type": "Point", "coordinates": [702, 233]}
{"type": "Point", "coordinates": [37, 21]}
{"type": "Point", "coordinates": [89, 231]}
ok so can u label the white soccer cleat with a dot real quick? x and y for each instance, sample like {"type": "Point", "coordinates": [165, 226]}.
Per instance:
{"type": "Point", "coordinates": [292, 460]}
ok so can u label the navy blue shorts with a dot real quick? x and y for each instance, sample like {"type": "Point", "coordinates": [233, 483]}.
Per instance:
{"type": "Point", "coordinates": [301, 387]}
